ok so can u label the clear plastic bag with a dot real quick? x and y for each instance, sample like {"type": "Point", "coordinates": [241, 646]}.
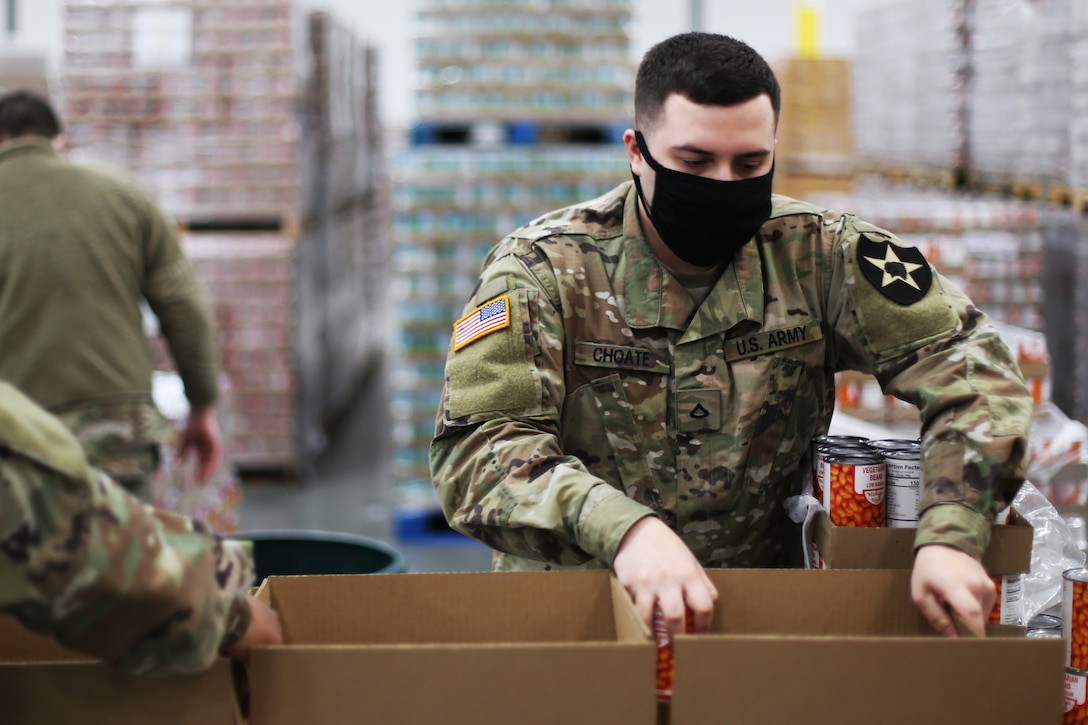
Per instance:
{"type": "Point", "coordinates": [1053, 550]}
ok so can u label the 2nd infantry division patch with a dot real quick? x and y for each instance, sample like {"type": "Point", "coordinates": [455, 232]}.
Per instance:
{"type": "Point", "coordinates": [483, 320]}
{"type": "Point", "coordinates": [899, 273]}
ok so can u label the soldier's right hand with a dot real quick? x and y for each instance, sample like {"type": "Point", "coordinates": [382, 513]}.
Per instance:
{"type": "Point", "coordinates": [656, 566]}
{"type": "Point", "coordinates": [264, 629]}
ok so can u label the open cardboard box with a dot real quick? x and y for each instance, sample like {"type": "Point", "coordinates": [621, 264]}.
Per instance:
{"type": "Point", "coordinates": [845, 547]}
{"type": "Point", "coordinates": [43, 683]}
{"type": "Point", "coordinates": [546, 648]}
{"type": "Point", "coordinates": [849, 646]}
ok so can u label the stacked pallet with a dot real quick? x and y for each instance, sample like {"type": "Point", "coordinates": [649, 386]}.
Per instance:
{"type": "Point", "coordinates": [1078, 99]}
{"type": "Point", "coordinates": [342, 257]}
{"type": "Point", "coordinates": [1065, 266]}
{"type": "Point", "coordinates": [908, 86]}
{"type": "Point", "coordinates": [521, 110]}
{"type": "Point", "coordinates": [989, 93]}
{"type": "Point", "coordinates": [194, 98]}
{"type": "Point", "coordinates": [256, 127]}
{"type": "Point", "coordinates": [815, 150]}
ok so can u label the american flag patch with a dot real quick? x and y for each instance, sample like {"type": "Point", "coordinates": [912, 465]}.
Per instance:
{"type": "Point", "coordinates": [495, 315]}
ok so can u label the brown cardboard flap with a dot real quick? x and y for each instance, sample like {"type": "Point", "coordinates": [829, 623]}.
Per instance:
{"type": "Point", "coordinates": [402, 649]}
{"type": "Point", "coordinates": [540, 684]}
{"type": "Point", "coordinates": [19, 644]}
{"type": "Point", "coordinates": [860, 681]}
{"type": "Point", "coordinates": [43, 683]}
{"type": "Point", "coordinates": [629, 628]}
{"type": "Point", "coordinates": [848, 646]}
{"type": "Point", "coordinates": [445, 608]}
{"type": "Point", "coordinates": [844, 547]}
{"type": "Point", "coordinates": [826, 602]}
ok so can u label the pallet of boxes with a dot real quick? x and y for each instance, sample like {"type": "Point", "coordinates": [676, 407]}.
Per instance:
{"type": "Point", "coordinates": [255, 126]}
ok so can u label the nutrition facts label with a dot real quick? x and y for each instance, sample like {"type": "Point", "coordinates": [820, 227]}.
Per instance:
{"type": "Point", "coordinates": [1011, 599]}
{"type": "Point", "coordinates": [904, 490]}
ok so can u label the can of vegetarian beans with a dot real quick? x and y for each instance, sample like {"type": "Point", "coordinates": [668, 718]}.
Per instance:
{"type": "Point", "coordinates": [822, 451]}
{"type": "Point", "coordinates": [830, 440]}
{"type": "Point", "coordinates": [1075, 618]}
{"type": "Point", "coordinates": [1044, 626]}
{"type": "Point", "coordinates": [854, 489]}
{"type": "Point", "coordinates": [1076, 709]}
{"type": "Point", "coordinates": [665, 662]}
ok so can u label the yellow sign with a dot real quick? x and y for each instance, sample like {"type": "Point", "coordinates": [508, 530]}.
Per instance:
{"type": "Point", "coordinates": [807, 21]}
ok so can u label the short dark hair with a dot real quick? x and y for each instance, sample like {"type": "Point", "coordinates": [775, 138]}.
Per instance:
{"type": "Point", "coordinates": [706, 68]}
{"type": "Point", "coordinates": [23, 113]}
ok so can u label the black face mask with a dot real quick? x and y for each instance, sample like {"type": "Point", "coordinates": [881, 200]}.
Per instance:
{"type": "Point", "coordinates": [704, 221]}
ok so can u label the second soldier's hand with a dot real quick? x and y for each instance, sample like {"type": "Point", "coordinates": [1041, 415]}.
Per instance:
{"type": "Point", "coordinates": [264, 629]}
{"type": "Point", "coordinates": [655, 566]}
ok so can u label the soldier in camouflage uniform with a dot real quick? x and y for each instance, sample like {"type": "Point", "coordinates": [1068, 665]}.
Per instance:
{"type": "Point", "coordinates": [637, 379]}
{"type": "Point", "coordinates": [79, 250]}
{"type": "Point", "coordinates": [151, 592]}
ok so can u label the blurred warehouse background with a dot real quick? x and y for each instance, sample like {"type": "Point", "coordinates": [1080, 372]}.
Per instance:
{"type": "Point", "coordinates": [338, 171]}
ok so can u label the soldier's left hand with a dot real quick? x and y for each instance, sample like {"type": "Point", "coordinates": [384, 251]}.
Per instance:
{"type": "Point", "coordinates": [946, 579]}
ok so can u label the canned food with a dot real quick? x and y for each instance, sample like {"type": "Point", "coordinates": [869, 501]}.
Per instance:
{"type": "Point", "coordinates": [826, 441]}
{"type": "Point", "coordinates": [840, 439]}
{"type": "Point", "coordinates": [1044, 626]}
{"type": "Point", "coordinates": [665, 661]}
{"type": "Point", "coordinates": [1009, 606]}
{"type": "Point", "coordinates": [894, 444]}
{"type": "Point", "coordinates": [854, 490]}
{"type": "Point", "coordinates": [1045, 621]}
{"type": "Point", "coordinates": [1075, 617]}
{"type": "Point", "coordinates": [822, 451]}
{"type": "Point", "coordinates": [903, 471]}
{"type": "Point", "coordinates": [1076, 709]}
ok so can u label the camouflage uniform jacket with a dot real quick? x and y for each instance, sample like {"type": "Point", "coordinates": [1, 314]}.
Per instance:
{"type": "Point", "coordinates": [610, 397]}
{"type": "Point", "coordinates": [151, 592]}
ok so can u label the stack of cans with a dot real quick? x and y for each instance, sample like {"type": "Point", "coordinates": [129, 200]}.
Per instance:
{"type": "Point", "coordinates": [871, 483]}
{"type": "Point", "coordinates": [868, 483]}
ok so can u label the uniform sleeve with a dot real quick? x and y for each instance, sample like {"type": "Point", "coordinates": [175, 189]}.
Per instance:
{"type": "Point", "coordinates": [151, 592]}
{"type": "Point", "coordinates": [174, 294]}
{"type": "Point", "coordinates": [927, 344]}
{"type": "Point", "coordinates": [497, 458]}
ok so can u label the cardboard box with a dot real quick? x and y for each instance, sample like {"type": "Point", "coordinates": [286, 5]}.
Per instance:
{"type": "Point", "coordinates": [43, 683]}
{"type": "Point", "coordinates": [548, 647]}
{"type": "Point", "coordinates": [849, 646]}
{"type": "Point", "coordinates": [845, 547]}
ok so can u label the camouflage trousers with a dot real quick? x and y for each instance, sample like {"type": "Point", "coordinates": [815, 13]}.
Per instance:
{"type": "Point", "coordinates": [122, 438]}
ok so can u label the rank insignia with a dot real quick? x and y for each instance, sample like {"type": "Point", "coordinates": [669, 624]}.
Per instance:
{"type": "Point", "coordinates": [901, 274]}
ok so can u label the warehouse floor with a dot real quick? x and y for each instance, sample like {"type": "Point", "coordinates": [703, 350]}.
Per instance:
{"type": "Point", "coordinates": [350, 490]}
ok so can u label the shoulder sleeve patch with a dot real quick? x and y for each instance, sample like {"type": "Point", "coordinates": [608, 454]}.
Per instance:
{"type": "Point", "coordinates": [899, 273]}
{"type": "Point", "coordinates": [496, 372]}
{"type": "Point", "coordinates": [484, 320]}
{"type": "Point", "coordinates": [899, 300]}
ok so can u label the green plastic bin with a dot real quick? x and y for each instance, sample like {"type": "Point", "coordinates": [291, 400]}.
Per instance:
{"type": "Point", "coordinates": [293, 552]}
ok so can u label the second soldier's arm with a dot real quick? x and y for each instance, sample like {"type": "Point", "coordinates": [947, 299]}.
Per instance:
{"type": "Point", "coordinates": [149, 591]}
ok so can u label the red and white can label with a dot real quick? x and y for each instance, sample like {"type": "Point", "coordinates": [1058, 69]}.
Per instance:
{"type": "Point", "coordinates": [1076, 710]}
{"type": "Point", "coordinates": [1075, 618]}
{"type": "Point", "coordinates": [666, 664]}
{"type": "Point", "coordinates": [854, 490]}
